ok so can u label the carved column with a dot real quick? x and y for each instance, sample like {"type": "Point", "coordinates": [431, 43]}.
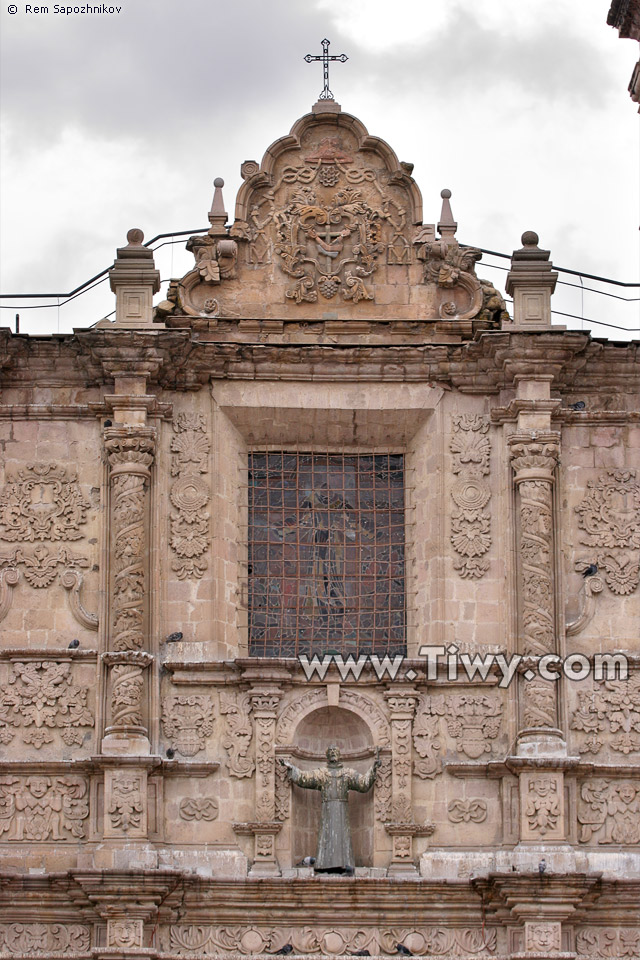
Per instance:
{"type": "Point", "coordinates": [130, 453]}
{"type": "Point", "coordinates": [534, 457]}
{"type": "Point", "coordinates": [402, 827]}
{"type": "Point", "coordinates": [264, 704]}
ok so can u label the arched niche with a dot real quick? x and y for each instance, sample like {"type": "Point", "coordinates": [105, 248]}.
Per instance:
{"type": "Point", "coordinates": [315, 732]}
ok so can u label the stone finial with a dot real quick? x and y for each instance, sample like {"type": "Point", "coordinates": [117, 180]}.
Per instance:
{"type": "Point", "coordinates": [530, 282]}
{"type": "Point", "coordinates": [134, 279]}
{"type": "Point", "coordinates": [218, 214]}
{"type": "Point", "coordinates": [447, 226]}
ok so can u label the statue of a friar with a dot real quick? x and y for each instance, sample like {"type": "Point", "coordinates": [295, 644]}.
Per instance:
{"type": "Point", "coordinates": [335, 852]}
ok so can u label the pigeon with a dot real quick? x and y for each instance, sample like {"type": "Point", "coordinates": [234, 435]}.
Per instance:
{"type": "Point", "coordinates": [578, 405]}
{"type": "Point", "coordinates": [283, 951]}
{"type": "Point", "coordinates": [360, 953]}
{"type": "Point", "coordinates": [170, 753]}
{"type": "Point", "coordinates": [174, 637]}
{"type": "Point", "coordinates": [590, 571]}
{"type": "Point", "coordinates": [402, 950]}
{"type": "Point", "coordinates": [74, 644]}
{"type": "Point", "coordinates": [542, 866]}
{"type": "Point", "coordinates": [307, 862]}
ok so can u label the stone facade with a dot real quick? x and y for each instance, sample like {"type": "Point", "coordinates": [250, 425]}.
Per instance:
{"type": "Point", "coordinates": [143, 810]}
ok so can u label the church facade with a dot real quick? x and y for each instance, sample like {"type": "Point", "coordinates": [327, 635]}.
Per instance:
{"type": "Point", "coordinates": [330, 492]}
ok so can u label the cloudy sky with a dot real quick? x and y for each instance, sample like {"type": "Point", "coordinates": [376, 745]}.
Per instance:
{"type": "Point", "coordinates": [119, 120]}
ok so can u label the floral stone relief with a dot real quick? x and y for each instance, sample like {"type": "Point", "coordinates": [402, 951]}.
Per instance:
{"type": "Point", "coordinates": [40, 697]}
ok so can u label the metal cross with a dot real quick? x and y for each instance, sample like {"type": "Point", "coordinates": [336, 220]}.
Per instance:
{"type": "Point", "coordinates": [326, 93]}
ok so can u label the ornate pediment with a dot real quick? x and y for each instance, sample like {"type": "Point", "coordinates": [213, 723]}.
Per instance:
{"type": "Point", "coordinates": [329, 226]}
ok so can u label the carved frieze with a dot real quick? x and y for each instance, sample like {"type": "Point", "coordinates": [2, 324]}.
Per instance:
{"type": "Point", "coordinates": [470, 518]}
{"type": "Point", "coordinates": [44, 939]}
{"type": "Point", "coordinates": [609, 713]}
{"type": "Point", "coordinates": [190, 495]}
{"type": "Point", "coordinates": [125, 934]}
{"type": "Point", "coordinates": [472, 810]}
{"type": "Point", "coordinates": [39, 564]}
{"type": "Point", "coordinates": [187, 721]}
{"type": "Point", "coordinates": [238, 734]}
{"type": "Point", "coordinates": [608, 942]}
{"type": "Point", "coordinates": [206, 940]}
{"type": "Point", "coordinates": [609, 811]}
{"type": "Point", "coordinates": [43, 808]}
{"type": "Point", "coordinates": [39, 697]}
{"type": "Point", "coordinates": [42, 502]}
{"type": "Point", "coordinates": [543, 937]}
{"type": "Point", "coordinates": [610, 523]}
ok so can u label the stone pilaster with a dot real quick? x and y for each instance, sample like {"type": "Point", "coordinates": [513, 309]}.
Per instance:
{"type": "Point", "coordinates": [534, 458]}
{"type": "Point", "coordinates": [130, 451]}
{"type": "Point", "coordinates": [402, 827]}
{"type": "Point", "coordinates": [264, 705]}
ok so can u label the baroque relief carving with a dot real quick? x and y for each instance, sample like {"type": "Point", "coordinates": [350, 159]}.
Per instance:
{"type": "Point", "coordinates": [39, 565]}
{"type": "Point", "coordinates": [470, 521]}
{"type": "Point", "coordinates": [382, 796]}
{"type": "Point", "coordinates": [44, 939]}
{"type": "Point", "coordinates": [130, 457]}
{"type": "Point", "coordinates": [185, 940]}
{"type": "Point", "coordinates": [451, 269]}
{"type": "Point", "coordinates": [198, 808]}
{"type": "Point", "coordinates": [125, 934]}
{"type": "Point", "coordinates": [187, 721]}
{"type": "Point", "coordinates": [238, 734]}
{"type": "Point", "coordinates": [473, 810]}
{"type": "Point", "coordinates": [43, 502]}
{"type": "Point", "coordinates": [43, 808]}
{"type": "Point", "coordinates": [40, 696]}
{"type": "Point", "coordinates": [611, 708]}
{"type": "Point", "coordinates": [542, 805]}
{"type": "Point", "coordinates": [610, 518]}
{"type": "Point", "coordinates": [126, 803]}
{"type": "Point", "coordinates": [473, 720]}
{"type": "Point", "coordinates": [127, 685]}
{"type": "Point", "coordinates": [609, 942]}
{"type": "Point", "coordinates": [609, 811]}
{"type": "Point", "coordinates": [426, 741]}
{"type": "Point", "coordinates": [190, 495]}
{"type": "Point", "coordinates": [539, 703]}
{"type": "Point", "coordinates": [72, 581]}
{"type": "Point", "coordinates": [543, 937]}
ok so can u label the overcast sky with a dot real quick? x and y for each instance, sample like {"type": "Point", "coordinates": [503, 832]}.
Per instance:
{"type": "Point", "coordinates": [119, 120]}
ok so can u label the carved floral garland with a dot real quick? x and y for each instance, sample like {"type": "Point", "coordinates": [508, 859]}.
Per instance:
{"type": "Point", "coordinates": [189, 495]}
{"type": "Point", "coordinates": [470, 521]}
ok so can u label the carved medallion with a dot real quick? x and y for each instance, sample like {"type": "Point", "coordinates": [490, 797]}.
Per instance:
{"type": "Point", "coordinates": [187, 721]}
{"type": "Point", "coordinates": [43, 502]}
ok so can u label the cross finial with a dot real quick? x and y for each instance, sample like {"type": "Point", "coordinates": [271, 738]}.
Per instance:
{"type": "Point", "coordinates": [326, 92]}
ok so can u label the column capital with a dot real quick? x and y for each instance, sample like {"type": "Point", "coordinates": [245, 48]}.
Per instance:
{"type": "Point", "coordinates": [534, 456]}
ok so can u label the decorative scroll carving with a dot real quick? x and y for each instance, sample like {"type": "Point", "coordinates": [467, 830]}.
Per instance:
{"type": "Point", "coordinates": [614, 707]}
{"type": "Point", "coordinates": [39, 565]}
{"type": "Point", "coordinates": [238, 733]}
{"type": "Point", "coordinates": [534, 462]}
{"type": "Point", "coordinates": [126, 803]}
{"type": "Point", "coordinates": [542, 805]}
{"type": "Point", "coordinates": [43, 808]}
{"type": "Point", "coordinates": [130, 457]}
{"type": "Point", "coordinates": [206, 940]}
{"type": "Point", "coordinates": [610, 518]}
{"type": "Point", "coordinates": [40, 696]}
{"type": "Point", "coordinates": [318, 238]}
{"type": "Point", "coordinates": [608, 942]}
{"type": "Point", "coordinates": [543, 937]}
{"type": "Point", "coordinates": [470, 521]}
{"type": "Point", "coordinates": [189, 495]}
{"type": "Point", "coordinates": [125, 934]}
{"type": "Point", "coordinates": [8, 580]}
{"type": "Point", "coordinates": [451, 269]}
{"type": "Point", "coordinates": [609, 811]}
{"type": "Point", "coordinates": [473, 810]}
{"type": "Point", "coordinates": [591, 586]}
{"type": "Point", "coordinates": [426, 741]}
{"type": "Point", "coordinates": [71, 580]}
{"type": "Point", "coordinates": [43, 502]}
{"type": "Point", "coordinates": [198, 808]}
{"type": "Point", "coordinates": [44, 939]}
{"type": "Point", "coordinates": [187, 721]}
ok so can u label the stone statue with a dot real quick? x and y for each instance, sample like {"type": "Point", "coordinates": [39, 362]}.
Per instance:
{"type": "Point", "coordinates": [335, 852]}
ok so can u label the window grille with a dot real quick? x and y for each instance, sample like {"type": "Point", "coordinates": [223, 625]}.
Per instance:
{"type": "Point", "coordinates": [326, 554]}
